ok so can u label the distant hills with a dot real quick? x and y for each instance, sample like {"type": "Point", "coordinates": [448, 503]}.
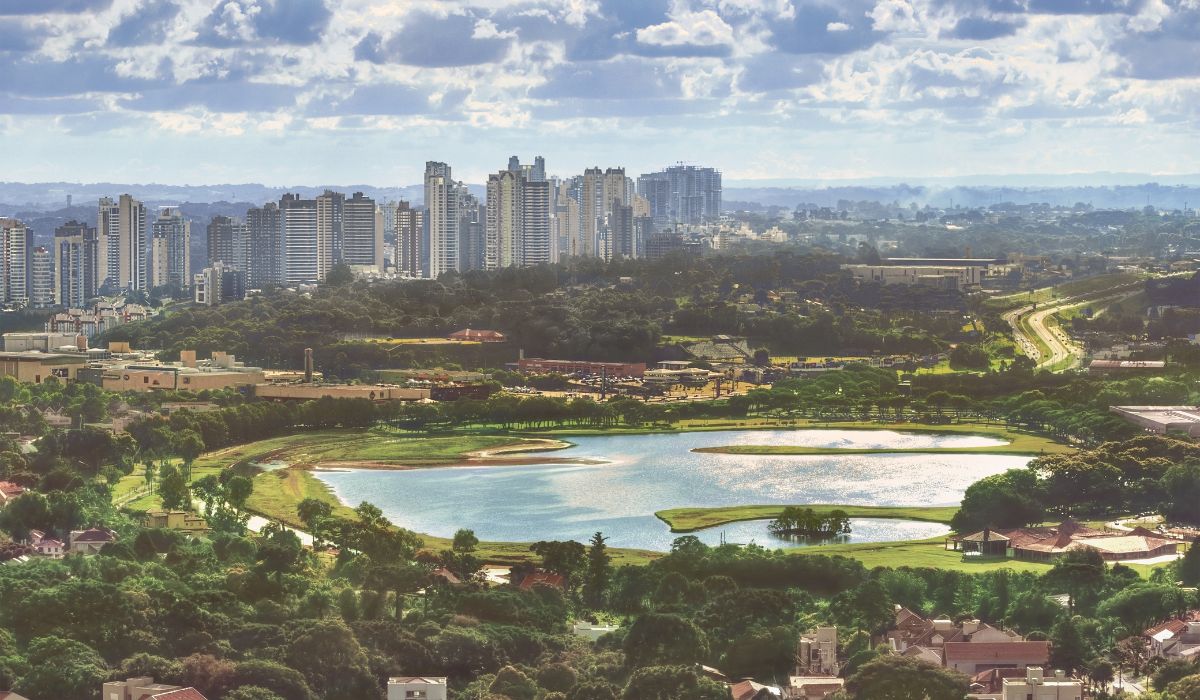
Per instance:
{"type": "Point", "coordinates": [1104, 191]}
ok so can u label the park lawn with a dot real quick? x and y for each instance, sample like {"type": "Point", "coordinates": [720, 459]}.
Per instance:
{"type": "Point", "coordinates": [930, 553]}
{"type": "Point", "coordinates": [692, 519]}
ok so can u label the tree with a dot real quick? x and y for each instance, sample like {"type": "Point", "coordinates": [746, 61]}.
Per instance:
{"type": "Point", "coordinates": [1080, 572]}
{"type": "Point", "coordinates": [173, 488]}
{"type": "Point", "coordinates": [594, 689]}
{"type": "Point", "coordinates": [1174, 670]}
{"type": "Point", "coordinates": [252, 692]}
{"type": "Point", "coordinates": [658, 638]}
{"type": "Point", "coordinates": [343, 672]}
{"type": "Point", "coordinates": [1181, 484]}
{"type": "Point", "coordinates": [514, 684]}
{"type": "Point", "coordinates": [1185, 688]}
{"type": "Point", "coordinates": [672, 683]}
{"type": "Point", "coordinates": [339, 275]}
{"type": "Point", "coordinates": [1067, 649]}
{"type": "Point", "coordinates": [313, 512]}
{"type": "Point", "coordinates": [461, 559]}
{"type": "Point", "coordinates": [1189, 566]}
{"type": "Point", "coordinates": [599, 571]}
{"type": "Point", "coordinates": [562, 558]}
{"type": "Point", "coordinates": [189, 445]}
{"type": "Point", "coordinates": [279, 679]}
{"type": "Point", "coordinates": [1011, 499]}
{"type": "Point", "coordinates": [905, 678]}
{"type": "Point", "coordinates": [65, 670]}
{"type": "Point", "coordinates": [238, 490]}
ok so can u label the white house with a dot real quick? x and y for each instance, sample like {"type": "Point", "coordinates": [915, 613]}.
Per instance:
{"type": "Point", "coordinates": [416, 688]}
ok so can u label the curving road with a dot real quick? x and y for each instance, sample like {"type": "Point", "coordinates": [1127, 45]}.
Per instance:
{"type": "Point", "coordinates": [1062, 348]}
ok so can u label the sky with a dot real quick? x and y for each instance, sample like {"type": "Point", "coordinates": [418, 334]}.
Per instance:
{"type": "Point", "coordinates": [365, 91]}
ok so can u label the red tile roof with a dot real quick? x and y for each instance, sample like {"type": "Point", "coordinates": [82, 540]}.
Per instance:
{"type": "Point", "coordinates": [10, 489]}
{"type": "Point", "coordinates": [95, 535]}
{"type": "Point", "coordinates": [1175, 626]}
{"type": "Point", "coordinates": [541, 578]}
{"type": "Point", "coordinates": [1031, 652]}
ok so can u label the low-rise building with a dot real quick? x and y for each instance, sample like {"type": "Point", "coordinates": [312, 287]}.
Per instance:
{"type": "Point", "coordinates": [537, 365]}
{"type": "Point", "coordinates": [1104, 367]}
{"type": "Point", "coordinates": [753, 690]}
{"type": "Point", "coordinates": [176, 520]}
{"type": "Point", "coordinates": [1035, 685]}
{"type": "Point", "coordinates": [9, 491]}
{"type": "Point", "coordinates": [90, 541]}
{"type": "Point", "coordinates": [1161, 420]}
{"type": "Point", "coordinates": [817, 652]}
{"type": "Point", "coordinates": [313, 392]}
{"type": "Point", "coordinates": [416, 688]}
{"type": "Point", "coordinates": [972, 657]}
{"type": "Point", "coordinates": [42, 342]}
{"type": "Point", "coordinates": [951, 277]}
{"type": "Point", "coordinates": [812, 687]}
{"type": "Point", "coordinates": [1049, 543]}
{"type": "Point", "coordinates": [1175, 639]}
{"type": "Point", "coordinates": [478, 336]}
{"type": "Point", "coordinates": [35, 367]}
{"type": "Point", "coordinates": [144, 688]}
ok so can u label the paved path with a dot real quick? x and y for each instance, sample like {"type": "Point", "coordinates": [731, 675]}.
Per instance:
{"type": "Point", "coordinates": [1062, 348]}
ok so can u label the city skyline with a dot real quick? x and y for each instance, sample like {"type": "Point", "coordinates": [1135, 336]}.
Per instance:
{"type": "Point", "coordinates": [185, 92]}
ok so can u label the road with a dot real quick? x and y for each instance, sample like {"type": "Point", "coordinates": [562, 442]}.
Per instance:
{"type": "Point", "coordinates": [1064, 352]}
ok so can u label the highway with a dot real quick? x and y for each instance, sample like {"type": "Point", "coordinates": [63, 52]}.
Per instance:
{"type": "Point", "coordinates": [1064, 352]}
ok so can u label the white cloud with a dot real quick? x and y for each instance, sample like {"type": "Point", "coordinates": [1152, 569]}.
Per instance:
{"type": "Point", "coordinates": [704, 28]}
{"type": "Point", "coordinates": [837, 27]}
{"type": "Point", "coordinates": [894, 16]}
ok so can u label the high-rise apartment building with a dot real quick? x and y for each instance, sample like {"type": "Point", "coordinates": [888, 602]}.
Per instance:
{"type": "Point", "coordinates": [472, 234]}
{"type": "Point", "coordinates": [620, 230]}
{"type": "Point", "coordinates": [362, 234]}
{"type": "Point", "coordinates": [518, 217]}
{"type": "Point", "coordinates": [16, 261]}
{"type": "Point", "coordinates": [41, 281]}
{"type": "Point", "coordinates": [410, 225]}
{"type": "Point", "coordinates": [600, 190]}
{"type": "Point", "coordinates": [682, 194]}
{"type": "Point", "coordinates": [124, 242]}
{"type": "Point", "coordinates": [264, 229]}
{"type": "Point", "coordinates": [77, 265]}
{"type": "Point", "coordinates": [331, 213]}
{"type": "Point", "coordinates": [171, 250]}
{"type": "Point", "coordinates": [228, 243]}
{"type": "Point", "coordinates": [441, 220]}
{"type": "Point", "coordinates": [301, 246]}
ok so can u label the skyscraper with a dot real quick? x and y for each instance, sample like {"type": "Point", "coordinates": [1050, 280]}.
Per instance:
{"type": "Point", "coordinates": [441, 220]}
{"type": "Point", "coordinates": [301, 249]}
{"type": "Point", "coordinates": [228, 243]}
{"type": "Point", "coordinates": [472, 224]}
{"type": "Point", "coordinates": [16, 261]}
{"type": "Point", "coordinates": [682, 194]}
{"type": "Point", "coordinates": [535, 246]}
{"type": "Point", "coordinates": [77, 265]}
{"type": "Point", "coordinates": [504, 218]}
{"type": "Point", "coordinates": [41, 281]}
{"type": "Point", "coordinates": [409, 230]}
{"type": "Point", "coordinates": [621, 232]}
{"type": "Point", "coordinates": [124, 244]}
{"type": "Point", "coordinates": [172, 257]}
{"type": "Point", "coordinates": [362, 234]}
{"type": "Point", "coordinates": [331, 213]}
{"type": "Point", "coordinates": [264, 229]}
{"type": "Point", "coordinates": [591, 214]}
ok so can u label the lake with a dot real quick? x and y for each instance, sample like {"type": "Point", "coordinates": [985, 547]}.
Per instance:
{"type": "Point", "coordinates": [641, 474]}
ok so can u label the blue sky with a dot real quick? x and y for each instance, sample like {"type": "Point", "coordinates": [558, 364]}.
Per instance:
{"type": "Point", "coordinates": [364, 91]}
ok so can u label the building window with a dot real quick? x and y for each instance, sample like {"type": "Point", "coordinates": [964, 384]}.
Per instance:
{"type": "Point", "coordinates": [145, 380]}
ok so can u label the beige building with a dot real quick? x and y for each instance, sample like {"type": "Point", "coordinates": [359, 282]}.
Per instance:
{"type": "Point", "coordinates": [942, 276]}
{"type": "Point", "coordinates": [1037, 686]}
{"type": "Point", "coordinates": [312, 392]}
{"type": "Point", "coordinates": [176, 520]}
{"type": "Point", "coordinates": [817, 652]}
{"type": "Point", "coordinates": [135, 377]}
{"type": "Point", "coordinates": [415, 688]}
{"type": "Point", "coordinates": [144, 688]}
{"type": "Point", "coordinates": [36, 367]}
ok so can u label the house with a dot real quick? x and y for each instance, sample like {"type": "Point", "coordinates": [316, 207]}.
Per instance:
{"type": "Point", "coordinates": [144, 688]}
{"type": "Point", "coordinates": [541, 578]}
{"type": "Point", "coordinates": [176, 520]}
{"type": "Point", "coordinates": [89, 541]}
{"type": "Point", "coordinates": [416, 688]}
{"type": "Point", "coordinates": [817, 652]}
{"type": "Point", "coordinates": [9, 491]}
{"type": "Point", "coordinates": [925, 639]}
{"type": "Point", "coordinates": [46, 546]}
{"type": "Point", "coordinates": [972, 657]}
{"type": "Point", "coordinates": [749, 690]}
{"type": "Point", "coordinates": [9, 695]}
{"type": "Point", "coordinates": [1175, 639]}
{"type": "Point", "coordinates": [478, 336]}
{"type": "Point", "coordinates": [812, 687]}
{"type": "Point", "coordinates": [1049, 543]}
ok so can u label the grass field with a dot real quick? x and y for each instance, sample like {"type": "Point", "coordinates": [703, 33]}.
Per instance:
{"type": "Point", "coordinates": [692, 519]}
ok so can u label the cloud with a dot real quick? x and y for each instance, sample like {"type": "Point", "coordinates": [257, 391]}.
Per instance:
{"type": "Point", "coordinates": [772, 72]}
{"type": "Point", "coordinates": [18, 37]}
{"type": "Point", "coordinates": [380, 99]}
{"type": "Point", "coordinates": [431, 41]}
{"type": "Point", "coordinates": [69, 105]}
{"type": "Point", "coordinates": [241, 22]}
{"type": "Point", "coordinates": [696, 33]}
{"type": "Point", "coordinates": [147, 24]}
{"type": "Point", "coordinates": [1085, 7]}
{"type": "Point", "coordinates": [214, 96]}
{"type": "Point", "coordinates": [984, 28]}
{"type": "Point", "coordinates": [86, 74]}
{"type": "Point", "coordinates": [815, 28]}
{"type": "Point", "coordinates": [39, 7]}
{"type": "Point", "coordinates": [629, 78]}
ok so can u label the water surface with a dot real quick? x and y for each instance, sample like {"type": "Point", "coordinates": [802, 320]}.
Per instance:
{"type": "Point", "coordinates": [642, 474]}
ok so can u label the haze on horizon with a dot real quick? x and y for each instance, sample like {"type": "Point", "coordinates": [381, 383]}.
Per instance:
{"type": "Point", "coordinates": [357, 91]}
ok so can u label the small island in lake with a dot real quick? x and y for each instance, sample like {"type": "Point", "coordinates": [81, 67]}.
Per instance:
{"type": "Point", "coordinates": [797, 521]}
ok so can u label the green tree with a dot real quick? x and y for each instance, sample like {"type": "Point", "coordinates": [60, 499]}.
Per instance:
{"type": "Point", "coordinates": [599, 572]}
{"type": "Point", "coordinates": [339, 275]}
{"type": "Point", "coordinates": [672, 683]}
{"type": "Point", "coordinates": [512, 683]}
{"type": "Point", "coordinates": [1189, 566]}
{"type": "Point", "coordinates": [562, 558]}
{"type": "Point", "coordinates": [1067, 648]}
{"type": "Point", "coordinates": [173, 488]}
{"type": "Point", "coordinates": [1079, 572]}
{"type": "Point", "coordinates": [1185, 688]}
{"type": "Point", "coordinates": [1181, 484]}
{"type": "Point", "coordinates": [593, 689]}
{"type": "Point", "coordinates": [189, 445]}
{"type": "Point", "coordinates": [252, 692]}
{"type": "Point", "coordinates": [64, 670]}
{"type": "Point", "coordinates": [1011, 499]}
{"type": "Point", "coordinates": [238, 490]}
{"type": "Point", "coordinates": [1174, 670]}
{"type": "Point", "coordinates": [905, 678]}
{"type": "Point", "coordinates": [658, 638]}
